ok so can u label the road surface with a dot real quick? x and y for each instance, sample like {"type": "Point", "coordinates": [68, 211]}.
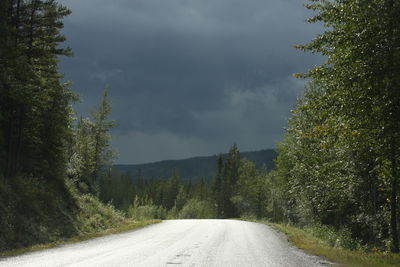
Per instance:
{"type": "Point", "coordinates": [178, 243]}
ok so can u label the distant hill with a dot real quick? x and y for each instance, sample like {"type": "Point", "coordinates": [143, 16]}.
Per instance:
{"type": "Point", "coordinates": [193, 168]}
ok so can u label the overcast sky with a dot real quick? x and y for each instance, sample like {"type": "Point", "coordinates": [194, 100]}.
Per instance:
{"type": "Point", "coordinates": [189, 77]}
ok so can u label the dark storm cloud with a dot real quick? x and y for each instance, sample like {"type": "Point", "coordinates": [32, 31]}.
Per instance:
{"type": "Point", "coordinates": [189, 77]}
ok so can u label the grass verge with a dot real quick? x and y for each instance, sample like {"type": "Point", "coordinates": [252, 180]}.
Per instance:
{"type": "Point", "coordinates": [128, 226]}
{"type": "Point", "coordinates": [343, 257]}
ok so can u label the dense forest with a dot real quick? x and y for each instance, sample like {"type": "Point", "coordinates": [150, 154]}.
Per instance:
{"type": "Point", "coordinates": [337, 167]}
{"type": "Point", "coordinates": [238, 189]}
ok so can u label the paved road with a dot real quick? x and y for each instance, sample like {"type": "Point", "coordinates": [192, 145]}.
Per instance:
{"type": "Point", "coordinates": [178, 243]}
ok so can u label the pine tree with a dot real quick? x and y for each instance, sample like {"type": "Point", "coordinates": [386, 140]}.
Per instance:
{"type": "Point", "coordinates": [35, 105]}
{"type": "Point", "coordinates": [171, 190]}
{"type": "Point", "coordinates": [102, 155]}
{"type": "Point", "coordinates": [90, 153]}
{"type": "Point", "coordinates": [35, 120]}
{"type": "Point", "coordinates": [217, 186]}
{"type": "Point", "coordinates": [230, 179]}
{"type": "Point", "coordinates": [224, 184]}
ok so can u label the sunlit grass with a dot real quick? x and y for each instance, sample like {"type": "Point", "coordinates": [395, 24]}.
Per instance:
{"type": "Point", "coordinates": [129, 225]}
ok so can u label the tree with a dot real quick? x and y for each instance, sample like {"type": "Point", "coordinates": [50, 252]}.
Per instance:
{"type": "Point", "coordinates": [248, 199]}
{"type": "Point", "coordinates": [35, 105]}
{"type": "Point", "coordinates": [229, 181]}
{"type": "Point", "coordinates": [90, 153]}
{"type": "Point", "coordinates": [224, 184]}
{"type": "Point", "coordinates": [171, 190]}
{"type": "Point", "coordinates": [360, 81]}
{"type": "Point", "coordinates": [35, 119]}
{"type": "Point", "coordinates": [101, 137]}
{"type": "Point", "coordinates": [116, 188]}
{"type": "Point", "coordinates": [217, 186]}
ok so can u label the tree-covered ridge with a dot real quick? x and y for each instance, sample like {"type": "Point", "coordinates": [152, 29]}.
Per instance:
{"type": "Point", "coordinates": [238, 189]}
{"type": "Point", "coordinates": [192, 168]}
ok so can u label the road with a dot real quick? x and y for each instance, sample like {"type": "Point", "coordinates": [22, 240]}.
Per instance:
{"type": "Point", "coordinates": [178, 243]}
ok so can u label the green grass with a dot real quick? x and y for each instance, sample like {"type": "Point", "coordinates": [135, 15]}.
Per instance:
{"type": "Point", "coordinates": [343, 257]}
{"type": "Point", "coordinates": [129, 225]}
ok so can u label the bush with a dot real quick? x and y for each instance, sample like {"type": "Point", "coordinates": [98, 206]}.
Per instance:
{"type": "Point", "coordinates": [173, 213]}
{"type": "Point", "coordinates": [335, 238]}
{"type": "Point", "coordinates": [95, 216]}
{"type": "Point", "coordinates": [197, 209]}
{"type": "Point", "coordinates": [147, 212]}
{"type": "Point", "coordinates": [244, 207]}
{"type": "Point", "coordinates": [34, 211]}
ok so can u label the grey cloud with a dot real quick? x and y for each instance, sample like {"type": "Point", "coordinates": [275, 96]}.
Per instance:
{"type": "Point", "coordinates": [175, 69]}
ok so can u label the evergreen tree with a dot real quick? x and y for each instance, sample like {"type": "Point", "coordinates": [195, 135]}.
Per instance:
{"type": "Point", "coordinates": [229, 181]}
{"type": "Point", "coordinates": [217, 186]}
{"type": "Point", "coordinates": [35, 119]}
{"type": "Point", "coordinates": [90, 153]}
{"type": "Point", "coordinates": [171, 190]}
{"type": "Point", "coordinates": [35, 105]}
{"type": "Point", "coordinates": [81, 162]}
{"type": "Point", "coordinates": [250, 190]}
{"type": "Point", "coordinates": [225, 183]}
{"type": "Point", "coordinates": [102, 155]}
{"type": "Point", "coordinates": [200, 189]}
{"type": "Point", "coordinates": [116, 188]}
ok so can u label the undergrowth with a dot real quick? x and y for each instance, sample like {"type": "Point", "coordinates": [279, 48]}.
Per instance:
{"type": "Point", "coordinates": [40, 217]}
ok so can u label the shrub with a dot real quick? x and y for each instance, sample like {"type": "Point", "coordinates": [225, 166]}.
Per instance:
{"type": "Point", "coordinates": [95, 215]}
{"type": "Point", "coordinates": [335, 238]}
{"type": "Point", "coordinates": [173, 213]}
{"type": "Point", "coordinates": [197, 209]}
{"type": "Point", "coordinates": [147, 212]}
{"type": "Point", "coordinates": [34, 211]}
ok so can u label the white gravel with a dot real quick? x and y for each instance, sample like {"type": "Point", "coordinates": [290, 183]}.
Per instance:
{"type": "Point", "coordinates": [178, 243]}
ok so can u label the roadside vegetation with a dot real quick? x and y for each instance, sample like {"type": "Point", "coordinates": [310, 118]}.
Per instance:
{"type": "Point", "coordinates": [336, 247]}
{"type": "Point", "coordinates": [125, 226]}
{"type": "Point", "coordinates": [339, 161]}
